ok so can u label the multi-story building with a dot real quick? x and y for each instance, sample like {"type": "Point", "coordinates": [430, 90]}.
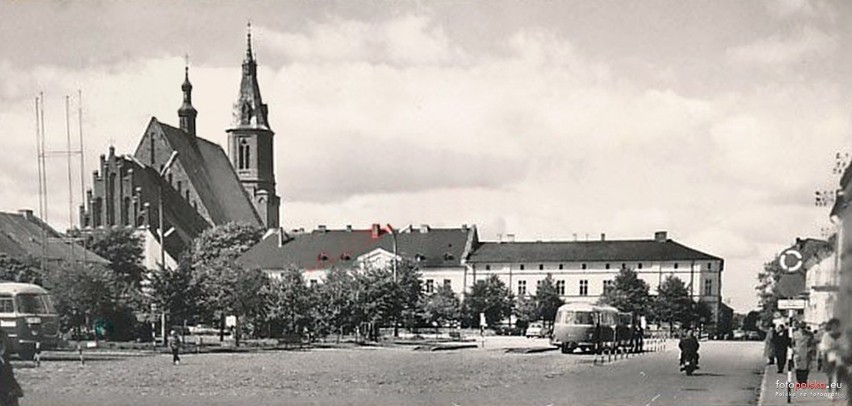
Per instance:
{"type": "Point", "coordinates": [583, 269]}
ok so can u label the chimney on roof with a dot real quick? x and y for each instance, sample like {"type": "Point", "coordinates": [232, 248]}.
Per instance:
{"type": "Point", "coordinates": [464, 226]}
{"type": "Point", "coordinates": [375, 231]}
{"type": "Point", "coordinates": [424, 228]}
{"type": "Point", "coordinates": [27, 213]}
{"type": "Point", "coordinates": [603, 236]}
{"type": "Point", "coordinates": [510, 238]}
{"type": "Point", "coordinates": [660, 236]}
{"type": "Point", "coordinates": [282, 237]}
{"type": "Point", "coordinates": [349, 227]}
{"type": "Point", "coordinates": [321, 228]}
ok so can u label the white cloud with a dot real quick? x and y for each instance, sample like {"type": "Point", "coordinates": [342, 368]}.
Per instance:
{"type": "Point", "coordinates": [779, 50]}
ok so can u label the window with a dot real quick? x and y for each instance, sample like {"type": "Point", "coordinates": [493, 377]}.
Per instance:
{"type": "Point", "coordinates": [708, 287]}
{"type": "Point", "coordinates": [585, 318]}
{"type": "Point", "coordinates": [6, 304]}
{"type": "Point", "coordinates": [540, 267]}
{"type": "Point", "coordinates": [584, 287]}
{"type": "Point", "coordinates": [709, 266]}
{"type": "Point", "coordinates": [179, 186]}
{"type": "Point", "coordinates": [623, 265]}
{"type": "Point", "coordinates": [244, 154]}
{"type": "Point", "coordinates": [314, 283]}
{"type": "Point", "coordinates": [171, 179]}
{"type": "Point", "coordinates": [522, 267]}
{"type": "Point", "coordinates": [639, 265]}
{"type": "Point", "coordinates": [607, 266]}
{"type": "Point", "coordinates": [448, 284]}
{"type": "Point", "coordinates": [187, 194]}
{"type": "Point", "coordinates": [30, 303]}
{"type": "Point", "coordinates": [430, 285]}
{"type": "Point", "coordinates": [608, 284]}
{"type": "Point", "coordinates": [676, 264]}
{"type": "Point", "coordinates": [560, 288]}
{"type": "Point", "coordinates": [584, 266]}
{"type": "Point", "coordinates": [522, 288]}
{"type": "Point", "coordinates": [487, 267]}
{"type": "Point", "coordinates": [561, 267]}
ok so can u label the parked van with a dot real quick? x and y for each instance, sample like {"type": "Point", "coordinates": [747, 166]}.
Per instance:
{"type": "Point", "coordinates": [28, 317]}
{"type": "Point", "coordinates": [585, 326]}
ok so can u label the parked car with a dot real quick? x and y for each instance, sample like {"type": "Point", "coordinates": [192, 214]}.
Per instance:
{"type": "Point", "coordinates": [536, 329]}
{"type": "Point", "coordinates": [753, 336]}
{"type": "Point", "coordinates": [739, 335]}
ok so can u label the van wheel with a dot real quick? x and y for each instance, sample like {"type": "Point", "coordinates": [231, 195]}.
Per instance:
{"type": "Point", "coordinates": [27, 352]}
{"type": "Point", "coordinates": [565, 349]}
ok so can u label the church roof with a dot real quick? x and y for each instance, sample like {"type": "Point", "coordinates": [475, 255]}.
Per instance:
{"type": "Point", "coordinates": [591, 251]}
{"type": "Point", "coordinates": [21, 237]}
{"type": "Point", "coordinates": [212, 176]}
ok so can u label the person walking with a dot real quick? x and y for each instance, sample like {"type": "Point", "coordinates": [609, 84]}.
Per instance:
{"type": "Point", "coordinates": [834, 348]}
{"type": "Point", "coordinates": [769, 346]}
{"type": "Point", "coordinates": [10, 390]}
{"type": "Point", "coordinates": [174, 344]}
{"type": "Point", "coordinates": [780, 343]}
{"type": "Point", "coordinates": [804, 350]}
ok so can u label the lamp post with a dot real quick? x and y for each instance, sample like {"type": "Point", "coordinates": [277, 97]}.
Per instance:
{"type": "Point", "coordinates": [162, 233]}
{"type": "Point", "coordinates": [395, 282]}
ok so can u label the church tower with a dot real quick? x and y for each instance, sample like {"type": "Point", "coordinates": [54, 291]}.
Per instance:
{"type": "Point", "coordinates": [250, 144]}
{"type": "Point", "coordinates": [186, 112]}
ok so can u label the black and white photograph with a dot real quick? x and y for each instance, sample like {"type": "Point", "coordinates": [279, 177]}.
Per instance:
{"type": "Point", "coordinates": [412, 202]}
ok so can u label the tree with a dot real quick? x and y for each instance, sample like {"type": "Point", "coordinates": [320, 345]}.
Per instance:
{"type": "Point", "coordinates": [441, 307]}
{"type": "Point", "coordinates": [291, 302]}
{"type": "Point", "coordinates": [527, 310]}
{"type": "Point", "coordinates": [766, 290]}
{"type": "Point", "coordinates": [123, 248]}
{"type": "Point", "coordinates": [673, 303]}
{"type": "Point", "coordinates": [627, 293]}
{"type": "Point", "coordinates": [336, 310]}
{"type": "Point", "coordinates": [177, 292]}
{"type": "Point", "coordinates": [490, 297]}
{"type": "Point", "coordinates": [212, 259]}
{"type": "Point", "coordinates": [26, 271]}
{"type": "Point", "coordinates": [547, 299]}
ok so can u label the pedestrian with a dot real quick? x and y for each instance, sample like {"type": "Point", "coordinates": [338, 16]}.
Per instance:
{"type": "Point", "coordinates": [10, 390]}
{"type": "Point", "coordinates": [780, 343]}
{"type": "Point", "coordinates": [834, 348]}
{"type": "Point", "coordinates": [804, 350]}
{"type": "Point", "coordinates": [769, 346]}
{"type": "Point", "coordinates": [174, 344]}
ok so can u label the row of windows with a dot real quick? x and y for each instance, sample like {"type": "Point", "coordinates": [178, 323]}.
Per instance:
{"type": "Point", "coordinates": [606, 266]}
{"type": "Point", "coordinates": [584, 286]}
{"type": "Point", "coordinates": [430, 285]}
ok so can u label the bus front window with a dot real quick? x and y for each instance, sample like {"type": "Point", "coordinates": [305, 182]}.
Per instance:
{"type": "Point", "coordinates": [583, 318]}
{"type": "Point", "coordinates": [30, 303]}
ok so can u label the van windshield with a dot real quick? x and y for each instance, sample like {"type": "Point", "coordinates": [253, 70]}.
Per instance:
{"type": "Point", "coordinates": [579, 318]}
{"type": "Point", "coordinates": [33, 303]}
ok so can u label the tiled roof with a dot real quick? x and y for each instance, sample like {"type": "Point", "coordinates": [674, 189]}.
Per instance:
{"type": "Point", "coordinates": [21, 237]}
{"type": "Point", "coordinates": [211, 173]}
{"type": "Point", "coordinates": [432, 248]}
{"type": "Point", "coordinates": [323, 249]}
{"type": "Point", "coordinates": [319, 249]}
{"type": "Point", "coordinates": [578, 251]}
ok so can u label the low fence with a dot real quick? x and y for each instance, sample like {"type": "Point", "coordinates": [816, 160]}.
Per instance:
{"type": "Point", "coordinates": [614, 353]}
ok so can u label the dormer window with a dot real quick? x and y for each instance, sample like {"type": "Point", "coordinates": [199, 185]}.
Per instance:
{"type": "Point", "coordinates": [346, 256]}
{"type": "Point", "coordinates": [322, 256]}
{"type": "Point", "coordinates": [448, 256]}
{"type": "Point", "coordinates": [419, 257]}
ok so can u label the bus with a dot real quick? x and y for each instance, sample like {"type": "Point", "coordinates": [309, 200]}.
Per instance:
{"type": "Point", "coordinates": [28, 318]}
{"type": "Point", "coordinates": [589, 327]}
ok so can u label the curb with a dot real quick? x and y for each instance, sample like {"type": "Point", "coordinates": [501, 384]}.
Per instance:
{"type": "Point", "coordinates": [529, 350]}
{"type": "Point", "coordinates": [444, 347]}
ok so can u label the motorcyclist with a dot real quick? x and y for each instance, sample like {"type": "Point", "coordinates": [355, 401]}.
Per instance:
{"type": "Point", "coordinates": [688, 348]}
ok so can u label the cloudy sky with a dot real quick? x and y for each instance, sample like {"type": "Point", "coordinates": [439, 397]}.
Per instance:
{"type": "Point", "coordinates": [713, 120]}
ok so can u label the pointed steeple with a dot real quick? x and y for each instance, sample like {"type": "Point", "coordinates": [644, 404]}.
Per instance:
{"type": "Point", "coordinates": [186, 112]}
{"type": "Point", "coordinates": [249, 110]}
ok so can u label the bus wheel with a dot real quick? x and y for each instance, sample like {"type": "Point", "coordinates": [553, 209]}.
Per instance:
{"type": "Point", "coordinates": [27, 352]}
{"type": "Point", "coordinates": [565, 348]}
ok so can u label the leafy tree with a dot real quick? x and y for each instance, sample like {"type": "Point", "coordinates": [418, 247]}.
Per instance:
{"type": "Point", "coordinates": [223, 243]}
{"type": "Point", "coordinates": [766, 290]}
{"type": "Point", "coordinates": [291, 302]}
{"type": "Point", "coordinates": [26, 271]}
{"type": "Point", "coordinates": [442, 307]}
{"type": "Point", "coordinates": [491, 297]}
{"type": "Point", "coordinates": [547, 299]}
{"type": "Point", "coordinates": [336, 305]}
{"type": "Point", "coordinates": [123, 248]}
{"type": "Point", "coordinates": [527, 311]}
{"type": "Point", "coordinates": [627, 293]}
{"type": "Point", "coordinates": [177, 291]}
{"type": "Point", "coordinates": [673, 303]}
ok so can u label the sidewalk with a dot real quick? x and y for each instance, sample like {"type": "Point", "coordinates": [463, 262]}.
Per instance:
{"type": "Point", "coordinates": [774, 393]}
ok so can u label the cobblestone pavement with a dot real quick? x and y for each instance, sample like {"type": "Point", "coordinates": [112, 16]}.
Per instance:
{"type": "Point", "coordinates": [384, 376]}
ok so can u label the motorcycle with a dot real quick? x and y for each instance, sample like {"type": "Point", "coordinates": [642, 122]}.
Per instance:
{"type": "Point", "coordinates": [689, 365]}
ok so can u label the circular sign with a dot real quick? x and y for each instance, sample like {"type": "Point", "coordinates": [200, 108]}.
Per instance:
{"type": "Point", "coordinates": [791, 265]}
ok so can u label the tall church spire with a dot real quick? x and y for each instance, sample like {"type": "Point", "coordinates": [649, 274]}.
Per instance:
{"type": "Point", "coordinates": [250, 143]}
{"type": "Point", "coordinates": [186, 112]}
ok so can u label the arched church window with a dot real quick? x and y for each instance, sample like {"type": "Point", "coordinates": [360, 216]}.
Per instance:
{"type": "Point", "coordinates": [244, 154]}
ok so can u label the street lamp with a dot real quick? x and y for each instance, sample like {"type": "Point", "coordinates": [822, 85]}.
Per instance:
{"type": "Point", "coordinates": [162, 233]}
{"type": "Point", "coordinates": [393, 235]}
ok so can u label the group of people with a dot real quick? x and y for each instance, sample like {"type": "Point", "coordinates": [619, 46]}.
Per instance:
{"type": "Point", "coordinates": [827, 349]}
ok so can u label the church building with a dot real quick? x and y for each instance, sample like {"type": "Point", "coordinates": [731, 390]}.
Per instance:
{"type": "Point", "coordinates": [203, 186]}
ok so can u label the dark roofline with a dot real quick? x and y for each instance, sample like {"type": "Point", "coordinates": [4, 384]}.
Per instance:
{"type": "Point", "coordinates": [698, 255]}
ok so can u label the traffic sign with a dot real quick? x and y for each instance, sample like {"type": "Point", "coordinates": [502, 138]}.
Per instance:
{"type": "Point", "coordinates": [792, 304]}
{"type": "Point", "coordinates": [791, 260]}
